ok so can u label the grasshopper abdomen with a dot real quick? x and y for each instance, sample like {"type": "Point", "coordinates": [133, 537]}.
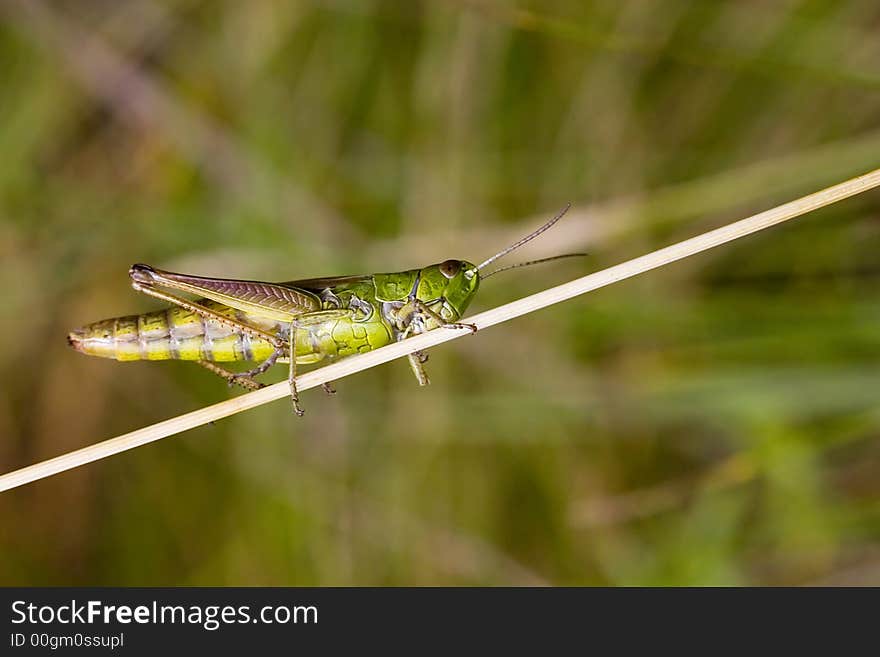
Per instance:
{"type": "Point", "coordinates": [173, 333]}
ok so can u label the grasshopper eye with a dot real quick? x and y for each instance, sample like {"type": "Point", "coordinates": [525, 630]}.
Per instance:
{"type": "Point", "coordinates": [450, 268]}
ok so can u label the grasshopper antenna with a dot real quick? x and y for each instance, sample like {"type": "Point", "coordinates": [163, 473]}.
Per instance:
{"type": "Point", "coordinates": [534, 262]}
{"type": "Point", "coordinates": [527, 238]}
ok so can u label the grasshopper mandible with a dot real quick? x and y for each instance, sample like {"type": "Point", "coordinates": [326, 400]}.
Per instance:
{"type": "Point", "coordinates": [299, 322]}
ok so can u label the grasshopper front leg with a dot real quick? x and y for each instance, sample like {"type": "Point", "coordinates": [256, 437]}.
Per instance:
{"type": "Point", "coordinates": [416, 322]}
{"type": "Point", "coordinates": [422, 307]}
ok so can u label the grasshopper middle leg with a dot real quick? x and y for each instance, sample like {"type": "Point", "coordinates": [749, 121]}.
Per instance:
{"type": "Point", "coordinates": [291, 373]}
{"type": "Point", "coordinates": [417, 361]}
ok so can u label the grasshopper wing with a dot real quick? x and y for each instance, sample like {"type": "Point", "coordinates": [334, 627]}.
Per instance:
{"type": "Point", "coordinates": [278, 301]}
{"type": "Point", "coordinates": [320, 284]}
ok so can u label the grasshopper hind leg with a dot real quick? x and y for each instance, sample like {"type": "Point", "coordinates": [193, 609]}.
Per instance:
{"type": "Point", "coordinates": [262, 367]}
{"type": "Point", "coordinates": [232, 378]}
{"type": "Point", "coordinates": [247, 376]}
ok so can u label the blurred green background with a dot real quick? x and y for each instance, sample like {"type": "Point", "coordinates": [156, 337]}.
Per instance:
{"type": "Point", "coordinates": [714, 422]}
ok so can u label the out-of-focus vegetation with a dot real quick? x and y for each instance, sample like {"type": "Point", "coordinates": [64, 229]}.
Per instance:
{"type": "Point", "coordinates": [715, 422]}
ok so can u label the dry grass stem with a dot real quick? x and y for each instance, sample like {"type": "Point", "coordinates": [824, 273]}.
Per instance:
{"type": "Point", "coordinates": [483, 320]}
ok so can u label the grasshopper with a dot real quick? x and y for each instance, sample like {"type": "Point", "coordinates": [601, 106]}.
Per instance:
{"type": "Point", "coordinates": [297, 322]}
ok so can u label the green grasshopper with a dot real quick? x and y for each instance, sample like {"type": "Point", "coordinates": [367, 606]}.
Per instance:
{"type": "Point", "coordinates": [299, 322]}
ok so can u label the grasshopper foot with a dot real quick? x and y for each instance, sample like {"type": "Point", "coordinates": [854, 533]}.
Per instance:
{"type": "Point", "coordinates": [294, 399]}
{"type": "Point", "coordinates": [231, 378]}
{"type": "Point", "coordinates": [245, 382]}
{"type": "Point", "coordinates": [328, 388]}
{"type": "Point", "coordinates": [458, 325]}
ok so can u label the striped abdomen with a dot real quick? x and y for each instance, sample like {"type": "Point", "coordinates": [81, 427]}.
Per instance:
{"type": "Point", "coordinates": [177, 334]}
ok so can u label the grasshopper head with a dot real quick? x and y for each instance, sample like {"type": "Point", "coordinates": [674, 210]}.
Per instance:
{"type": "Point", "coordinates": [456, 281]}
